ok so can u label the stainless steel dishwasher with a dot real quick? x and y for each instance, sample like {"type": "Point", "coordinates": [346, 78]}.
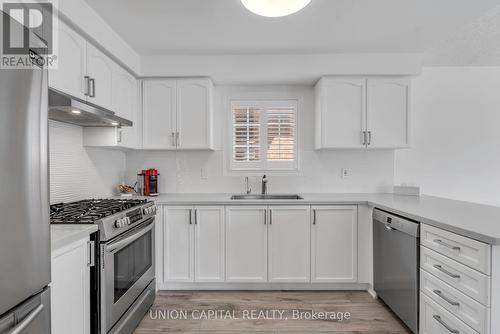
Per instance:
{"type": "Point", "coordinates": [395, 264]}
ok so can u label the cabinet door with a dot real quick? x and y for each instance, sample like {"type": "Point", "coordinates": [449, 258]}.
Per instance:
{"type": "Point", "coordinates": [194, 113]}
{"type": "Point", "coordinates": [246, 244]}
{"type": "Point", "coordinates": [125, 104]}
{"type": "Point", "coordinates": [159, 114]}
{"type": "Point", "coordinates": [178, 244]}
{"type": "Point", "coordinates": [70, 289]}
{"type": "Point", "coordinates": [388, 110]}
{"type": "Point", "coordinates": [289, 243]}
{"type": "Point", "coordinates": [100, 71]}
{"type": "Point", "coordinates": [340, 113]}
{"type": "Point", "coordinates": [334, 244]}
{"type": "Point", "coordinates": [68, 77]}
{"type": "Point", "coordinates": [209, 244]}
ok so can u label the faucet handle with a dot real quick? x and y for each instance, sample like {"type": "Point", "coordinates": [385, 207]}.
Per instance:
{"type": "Point", "coordinates": [248, 188]}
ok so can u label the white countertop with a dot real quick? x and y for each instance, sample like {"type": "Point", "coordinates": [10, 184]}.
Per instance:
{"type": "Point", "coordinates": [63, 235]}
{"type": "Point", "coordinates": [477, 221]}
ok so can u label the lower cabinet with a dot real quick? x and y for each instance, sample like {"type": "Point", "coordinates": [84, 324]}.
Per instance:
{"type": "Point", "coordinates": [334, 246]}
{"type": "Point", "coordinates": [260, 243]}
{"type": "Point", "coordinates": [246, 244]}
{"type": "Point", "coordinates": [193, 240]}
{"type": "Point", "coordinates": [289, 243]}
{"type": "Point", "coordinates": [70, 289]}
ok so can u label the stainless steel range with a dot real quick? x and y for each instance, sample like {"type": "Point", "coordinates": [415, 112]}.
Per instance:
{"type": "Point", "coordinates": [122, 279]}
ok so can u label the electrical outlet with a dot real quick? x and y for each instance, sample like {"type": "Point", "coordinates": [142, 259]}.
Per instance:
{"type": "Point", "coordinates": [344, 172]}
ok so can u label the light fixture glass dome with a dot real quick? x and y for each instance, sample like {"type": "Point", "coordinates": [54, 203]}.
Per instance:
{"type": "Point", "coordinates": [274, 8]}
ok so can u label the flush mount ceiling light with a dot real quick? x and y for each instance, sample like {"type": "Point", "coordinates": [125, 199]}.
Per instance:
{"type": "Point", "coordinates": [274, 8]}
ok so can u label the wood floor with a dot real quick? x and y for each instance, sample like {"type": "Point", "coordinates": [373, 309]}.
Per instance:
{"type": "Point", "coordinates": [366, 314]}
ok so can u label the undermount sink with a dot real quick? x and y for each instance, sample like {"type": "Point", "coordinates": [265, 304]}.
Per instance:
{"type": "Point", "coordinates": [267, 196]}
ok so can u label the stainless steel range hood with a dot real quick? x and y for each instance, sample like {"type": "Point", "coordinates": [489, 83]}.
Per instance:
{"type": "Point", "coordinates": [68, 109]}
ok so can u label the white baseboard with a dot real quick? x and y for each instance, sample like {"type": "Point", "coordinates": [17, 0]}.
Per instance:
{"type": "Point", "coordinates": [265, 286]}
{"type": "Point", "coordinates": [372, 292]}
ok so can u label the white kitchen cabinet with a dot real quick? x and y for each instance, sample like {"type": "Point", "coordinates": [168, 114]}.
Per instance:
{"type": "Point", "coordinates": [362, 113]}
{"type": "Point", "coordinates": [194, 114]}
{"type": "Point", "coordinates": [125, 100]}
{"type": "Point", "coordinates": [340, 113]}
{"type": "Point", "coordinates": [193, 244]}
{"type": "Point", "coordinates": [70, 289]}
{"type": "Point", "coordinates": [71, 69]}
{"type": "Point", "coordinates": [100, 70]}
{"type": "Point", "coordinates": [159, 114]}
{"type": "Point", "coordinates": [289, 243]}
{"type": "Point", "coordinates": [388, 112]}
{"type": "Point", "coordinates": [246, 243]}
{"type": "Point", "coordinates": [334, 234]}
{"type": "Point", "coordinates": [178, 257]}
{"type": "Point", "coordinates": [177, 114]}
{"type": "Point", "coordinates": [209, 244]}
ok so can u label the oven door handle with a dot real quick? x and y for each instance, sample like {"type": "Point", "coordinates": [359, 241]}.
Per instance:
{"type": "Point", "coordinates": [119, 244]}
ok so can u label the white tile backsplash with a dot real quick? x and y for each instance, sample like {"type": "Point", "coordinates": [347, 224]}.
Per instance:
{"type": "Point", "coordinates": [77, 172]}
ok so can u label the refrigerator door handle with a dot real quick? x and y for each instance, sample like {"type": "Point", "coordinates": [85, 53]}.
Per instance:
{"type": "Point", "coordinates": [19, 328]}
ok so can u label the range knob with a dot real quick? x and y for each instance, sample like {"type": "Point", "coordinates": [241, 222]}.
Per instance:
{"type": "Point", "coordinates": [120, 222]}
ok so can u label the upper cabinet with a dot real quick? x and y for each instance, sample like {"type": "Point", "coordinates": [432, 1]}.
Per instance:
{"type": "Point", "coordinates": [388, 112]}
{"type": "Point", "coordinates": [159, 114]}
{"type": "Point", "coordinates": [362, 113]}
{"type": "Point", "coordinates": [84, 72]}
{"type": "Point", "coordinates": [69, 76]}
{"type": "Point", "coordinates": [194, 113]}
{"type": "Point", "coordinates": [100, 72]}
{"type": "Point", "coordinates": [177, 114]}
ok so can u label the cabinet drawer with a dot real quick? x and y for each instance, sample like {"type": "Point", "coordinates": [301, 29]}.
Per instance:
{"type": "Point", "coordinates": [434, 319]}
{"type": "Point", "coordinates": [463, 307]}
{"type": "Point", "coordinates": [472, 253]}
{"type": "Point", "coordinates": [469, 281]}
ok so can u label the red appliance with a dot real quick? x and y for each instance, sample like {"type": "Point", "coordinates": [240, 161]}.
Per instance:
{"type": "Point", "coordinates": [150, 182]}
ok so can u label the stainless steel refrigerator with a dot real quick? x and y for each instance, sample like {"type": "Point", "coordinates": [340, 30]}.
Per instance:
{"type": "Point", "coordinates": [24, 204]}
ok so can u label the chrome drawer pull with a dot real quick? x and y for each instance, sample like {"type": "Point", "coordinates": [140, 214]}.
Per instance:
{"type": "Point", "coordinates": [445, 325]}
{"type": "Point", "coordinates": [447, 245]}
{"type": "Point", "coordinates": [446, 299]}
{"type": "Point", "coordinates": [441, 269]}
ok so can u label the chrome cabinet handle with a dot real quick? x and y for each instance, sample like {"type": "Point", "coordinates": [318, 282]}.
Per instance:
{"type": "Point", "coordinates": [91, 258]}
{"type": "Point", "coordinates": [314, 217]}
{"type": "Point", "coordinates": [87, 85]}
{"type": "Point", "coordinates": [119, 136]}
{"type": "Point", "coordinates": [446, 299]}
{"type": "Point", "coordinates": [444, 271]}
{"type": "Point", "coordinates": [265, 217]}
{"type": "Point", "coordinates": [92, 87]}
{"type": "Point", "coordinates": [369, 138]}
{"type": "Point", "coordinates": [447, 245]}
{"type": "Point", "coordinates": [270, 216]}
{"type": "Point", "coordinates": [177, 139]}
{"type": "Point", "coordinates": [173, 138]}
{"type": "Point", "coordinates": [190, 216]}
{"type": "Point", "coordinates": [196, 216]}
{"type": "Point", "coordinates": [445, 325]}
{"type": "Point", "coordinates": [26, 321]}
{"type": "Point", "coordinates": [363, 136]}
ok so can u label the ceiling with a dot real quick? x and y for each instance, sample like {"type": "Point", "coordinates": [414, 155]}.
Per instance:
{"type": "Point", "coordinates": [199, 27]}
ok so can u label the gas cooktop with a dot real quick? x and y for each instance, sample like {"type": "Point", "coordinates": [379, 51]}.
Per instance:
{"type": "Point", "coordinates": [89, 211]}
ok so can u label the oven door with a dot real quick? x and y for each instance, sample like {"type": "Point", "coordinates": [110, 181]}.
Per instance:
{"type": "Point", "coordinates": [126, 270]}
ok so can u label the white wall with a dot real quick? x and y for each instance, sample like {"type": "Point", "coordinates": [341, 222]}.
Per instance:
{"type": "Point", "coordinates": [181, 171]}
{"type": "Point", "coordinates": [258, 69]}
{"type": "Point", "coordinates": [78, 173]}
{"type": "Point", "coordinates": [455, 134]}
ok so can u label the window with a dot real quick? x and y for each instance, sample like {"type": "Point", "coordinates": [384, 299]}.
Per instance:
{"type": "Point", "coordinates": [264, 135]}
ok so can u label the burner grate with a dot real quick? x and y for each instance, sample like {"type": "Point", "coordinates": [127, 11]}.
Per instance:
{"type": "Point", "coordinates": [89, 211]}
